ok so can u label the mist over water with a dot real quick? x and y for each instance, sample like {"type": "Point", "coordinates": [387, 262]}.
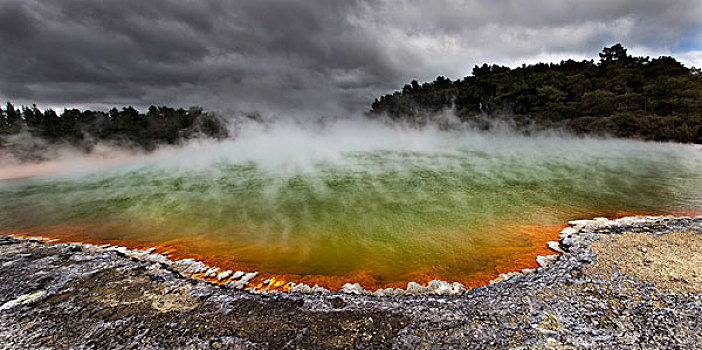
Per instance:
{"type": "Point", "coordinates": [352, 200]}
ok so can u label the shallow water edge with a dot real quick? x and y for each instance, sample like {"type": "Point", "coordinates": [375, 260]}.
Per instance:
{"type": "Point", "coordinates": [70, 295]}
{"type": "Point", "coordinates": [253, 282]}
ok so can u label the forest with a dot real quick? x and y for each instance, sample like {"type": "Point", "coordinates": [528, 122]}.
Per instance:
{"type": "Point", "coordinates": [624, 96]}
{"type": "Point", "coordinates": [637, 97]}
{"type": "Point", "coordinates": [128, 126]}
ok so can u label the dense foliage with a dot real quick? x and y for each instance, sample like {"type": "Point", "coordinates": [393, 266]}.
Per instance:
{"type": "Point", "coordinates": [160, 125]}
{"type": "Point", "coordinates": [621, 95]}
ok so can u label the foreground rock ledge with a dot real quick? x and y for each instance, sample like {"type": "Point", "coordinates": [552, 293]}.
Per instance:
{"type": "Point", "coordinates": [632, 282]}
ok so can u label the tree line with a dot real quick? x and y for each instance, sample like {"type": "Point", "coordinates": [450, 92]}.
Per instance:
{"type": "Point", "coordinates": [652, 99]}
{"type": "Point", "coordinates": [625, 96]}
{"type": "Point", "coordinates": [128, 126]}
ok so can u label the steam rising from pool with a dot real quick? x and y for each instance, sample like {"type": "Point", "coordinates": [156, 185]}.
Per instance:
{"type": "Point", "coordinates": [352, 201]}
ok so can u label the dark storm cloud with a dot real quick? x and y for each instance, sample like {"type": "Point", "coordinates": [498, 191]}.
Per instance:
{"type": "Point", "coordinates": [297, 56]}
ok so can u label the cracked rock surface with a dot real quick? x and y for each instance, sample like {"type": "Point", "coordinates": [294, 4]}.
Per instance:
{"type": "Point", "coordinates": [627, 283]}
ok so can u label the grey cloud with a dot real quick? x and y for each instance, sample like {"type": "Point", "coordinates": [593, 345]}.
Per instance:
{"type": "Point", "coordinates": [296, 56]}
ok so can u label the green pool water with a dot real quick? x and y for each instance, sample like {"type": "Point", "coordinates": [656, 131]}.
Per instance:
{"type": "Point", "coordinates": [383, 208]}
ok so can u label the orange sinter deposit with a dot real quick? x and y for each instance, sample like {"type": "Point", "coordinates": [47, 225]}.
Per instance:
{"type": "Point", "coordinates": [506, 259]}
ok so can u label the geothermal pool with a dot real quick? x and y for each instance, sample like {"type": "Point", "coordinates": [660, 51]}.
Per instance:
{"type": "Point", "coordinates": [354, 203]}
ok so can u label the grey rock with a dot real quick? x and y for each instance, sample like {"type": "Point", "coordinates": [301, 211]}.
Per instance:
{"type": "Point", "coordinates": [95, 298]}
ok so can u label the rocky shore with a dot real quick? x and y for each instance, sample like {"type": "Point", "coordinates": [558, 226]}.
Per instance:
{"type": "Point", "coordinates": [626, 283]}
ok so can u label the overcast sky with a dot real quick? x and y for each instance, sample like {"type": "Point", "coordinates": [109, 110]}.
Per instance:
{"type": "Point", "coordinates": [305, 56]}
